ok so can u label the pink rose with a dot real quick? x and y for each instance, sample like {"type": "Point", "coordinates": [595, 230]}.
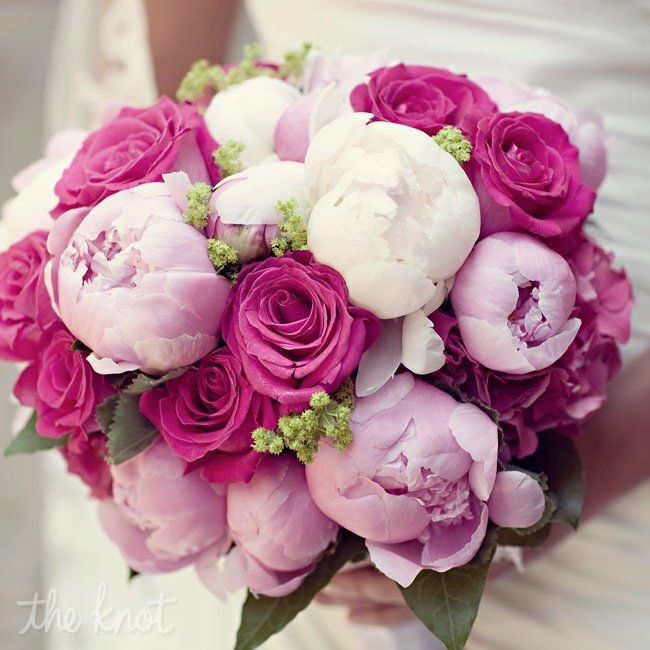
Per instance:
{"type": "Point", "coordinates": [420, 480]}
{"type": "Point", "coordinates": [289, 321]}
{"type": "Point", "coordinates": [423, 98]}
{"type": "Point", "coordinates": [527, 176]}
{"type": "Point", "coordinates": [279, 533]}
{"type": "Point", "coordinates": [514, 300]}
{"type": "Point", "coordinates": [133, 282]}
{"type": "Point", "coordinates": [161, 517]}
{"type": "Point", "coordinates": [585, 129]}
{"type": "Point", "coordinates": [138, 146]}
{"type": "Point", "coordinates": [63, 389]}
{"type": "Point", "coordinates": [87, 459]}
{"type": "Point", "coordinates": [210, 408]}
{"type": "Point", "coordinates": [25, 309]}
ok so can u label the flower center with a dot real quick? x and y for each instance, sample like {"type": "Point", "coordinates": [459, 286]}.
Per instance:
{"type": "Point", "coordinates": [527, 321]}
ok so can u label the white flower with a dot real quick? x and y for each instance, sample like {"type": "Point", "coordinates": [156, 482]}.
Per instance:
{"type": "Point", "coordinates": [30, 209]}
{"type": "Point", "coordinates": [392, 212]}
{"type": "Point", "coordinates": [248, 113]}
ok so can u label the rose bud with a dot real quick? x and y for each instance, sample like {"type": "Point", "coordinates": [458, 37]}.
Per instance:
{"type": "Point", "coordinates": [514, 298]}
{"type": "Point", "coordinates": [420, 481]}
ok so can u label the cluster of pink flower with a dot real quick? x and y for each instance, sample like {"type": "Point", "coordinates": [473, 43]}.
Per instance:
{"type": "Point", "coordinates": [323, 296]}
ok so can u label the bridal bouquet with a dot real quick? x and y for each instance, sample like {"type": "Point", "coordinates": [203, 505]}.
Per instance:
{"type": "Point", "coordinates": [327, 311]}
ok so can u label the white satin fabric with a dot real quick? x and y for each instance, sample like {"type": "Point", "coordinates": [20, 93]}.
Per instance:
{"type": "Point", "coordinates": [593, 591]}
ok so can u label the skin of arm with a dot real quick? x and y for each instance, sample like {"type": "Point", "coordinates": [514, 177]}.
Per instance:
{"type": "Point", "coordinates": [616, 456]}
{"type": "Point", "coordinates": [183, 31]}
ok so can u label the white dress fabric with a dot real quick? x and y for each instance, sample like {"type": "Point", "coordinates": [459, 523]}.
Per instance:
{"type": "Point", "coordinates": [593, 590]}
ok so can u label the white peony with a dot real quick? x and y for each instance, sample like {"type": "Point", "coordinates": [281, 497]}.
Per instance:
{"type": "Point", "coordinates": [248, 113]}
{"type": "Point", "coordinates": [392, 212]}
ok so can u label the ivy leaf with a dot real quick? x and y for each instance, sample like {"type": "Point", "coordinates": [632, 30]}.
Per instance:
{"type": "Point", "coordinates": [263, 616]}
{"type": "Point", "coordinates": [447, 603]}
{"type": "Point", "coordinates": [129, 432]}
{"type": "Point", "coordinates": [142, 383]}
{"type": "Point", "coordinates": [28, 441]}
{"type": "Point", "coordinates": [557, 458]}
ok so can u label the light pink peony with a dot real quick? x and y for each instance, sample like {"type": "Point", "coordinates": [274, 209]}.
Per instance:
{"type": "Point", "coordinates": [133, 282]}
{"type": "Point", "coordinates": [419, 481]}
{"type": "Point", "coordinates": [160, 517]}
{"type": "Point", "coordinates": [279, 533]}
{"type": "Point", "coordinates": [514, 299]}
{"type": "Point", "coordinates": [585, 129]}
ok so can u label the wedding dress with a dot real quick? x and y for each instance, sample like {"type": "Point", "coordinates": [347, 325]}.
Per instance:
{"type": "Point", "coordinates": [592, 591]}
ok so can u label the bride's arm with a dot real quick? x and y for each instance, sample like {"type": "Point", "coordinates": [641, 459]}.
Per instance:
{"type": "Point", "coordinates": [183, 31]}
{"type": "Point", "coordinates": [616, 455]}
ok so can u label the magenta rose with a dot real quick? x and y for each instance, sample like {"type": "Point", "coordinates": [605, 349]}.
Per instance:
{"type": "Point", "coordinates": [25, 308]}
{"type": "Point", "coordinates": [63, 388]}
{"type": "Point", "coordinates": [138, 146]}
{"type": "Point", "coordinates": [87, 460]}
{"type": "Point", "coordinates": [527, 176]}
{"type": "Point", "coordinates": [423, 98]}
{"type": "Point", "coordinates": [289, 321]}
{"type": "Point", "coordinates": [209, 408]}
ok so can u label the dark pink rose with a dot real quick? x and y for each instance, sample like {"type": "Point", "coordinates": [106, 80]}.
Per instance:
{"type": "Point", "coordinates": [527, 176]}
{"type": "Point", "coordinates": [211, 408]}
{"type": "Point", "coordinates": [63, 388]}
{"type": "Point", "coordinates": [87, 459]}
{"type": "Point", "coordinates": [289, 321]}
{"type": "Point", "coordinates": [138, 146]}
{"type": "Point", "coordinates": [25, 308]}
{"type": "Point", "coordinates": [423, 98]}
{"type": "Point", "coordinates": [564, 395]}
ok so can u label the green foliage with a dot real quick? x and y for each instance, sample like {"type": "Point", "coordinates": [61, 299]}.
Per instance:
{"type": "Point", "coordinates": [294, 62]}
{"type": "Point", "coordinates": [142, 383]}
{"type": "Point", "coordinates": [447, 603]}
{"type": "Point", "coordinates": [301, 432]}
{"type": "Point", "coordinates": [292, 229]}
{"type": "Point", "coordinates": [453, 142]}
{"type": "Point", "coordinates": [262, 616]}
{"type": "Point", "coordinates": [29, 441]}
{"type": "Point", "coordinates": [221, 254]}
{"type": "Point", "coordinates": [129, 432]}
{"type": "Point", "coordinates": [198, 205]}
{"type": "Point", "coordinates": [228, 157]}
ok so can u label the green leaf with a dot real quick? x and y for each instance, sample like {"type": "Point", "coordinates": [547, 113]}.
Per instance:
{"type": "Point", "coordinates": [447, 603]}
{"type": "Point", "coordinates": [28, 441]}
{"type": "Point", "coordinates": [133, 574]}
{"type": "Point", "coordinates": [142, 383]}
{"type": "Point", "coordinates": [517, 537]}
{"type": "Point", "coordinates": [263, 616]}
{"type": "Point", "coordinates": [129, 432]}
{"type": "Point", "coordinates": [558, 459]}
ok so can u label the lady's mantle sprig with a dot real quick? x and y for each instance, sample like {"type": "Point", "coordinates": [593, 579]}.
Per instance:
{"type": "Point", "coordinates": [198, 205]}
{"type": "Point", "coordinates": [454, 142]}
{"type": "Point", "coordinates": [328, 417]}
{"type": "Point", "coordinates": [228, 157]}
{"type": "Point", "coordinates": [292, 229]}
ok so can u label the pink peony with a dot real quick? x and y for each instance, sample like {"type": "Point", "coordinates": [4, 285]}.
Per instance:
{"type": "Point", "coordinates": [25, 309]}
{"type": "Point", "coordinates": [134, 283]}
{"type": "Point", "coordinates": [514, 300]}
{"type": "Point", "coordinates": [423, 98]}
{"type": "Point", "coordinates": [160, 517]}
{"type": "Point", "coordinates": [279, 533]}
{"type": "Point", "coordinates": [563, 395]}
{"type": "Point", "coordinates": [138, 146]}
{"type": "Point", "coordinates": [527, 176]}
{"type": "Point", "coordinates": [63, 389]}
{"type": "Point", "coordinates": [210, 408]}
{"type": "Point", "coordinates": [289, 321]}
{"type": "Point", "coordinates": [419, 481]}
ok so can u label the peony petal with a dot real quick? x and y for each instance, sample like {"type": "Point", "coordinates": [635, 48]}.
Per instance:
{"type": "Point", "coordinates": [381, 361]}
{"type": "Point", "coordinates": [517, 500]}
{"type": "Point", "coordinates": [399, 562]}
{"type": "Point", "coordinates": [422, 348]}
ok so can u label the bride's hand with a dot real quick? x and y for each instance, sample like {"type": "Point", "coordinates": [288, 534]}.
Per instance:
{"type": "Point", "coordinates": [369, 597]}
